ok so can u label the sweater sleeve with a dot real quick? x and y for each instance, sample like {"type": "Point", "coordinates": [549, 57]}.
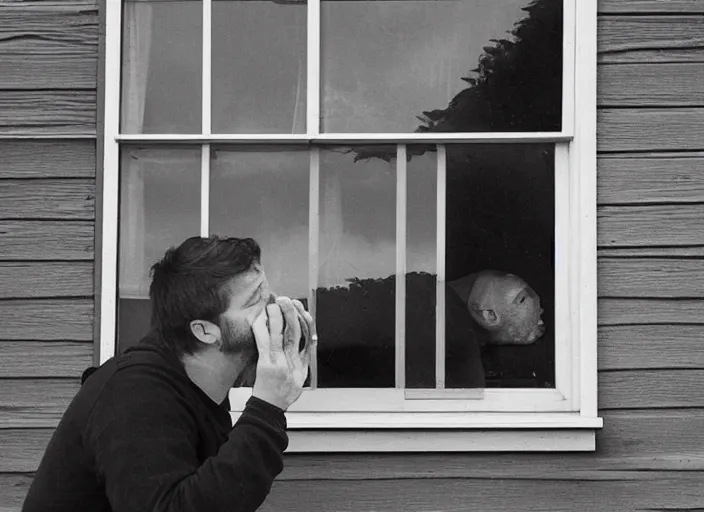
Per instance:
{"type": "Point", "coordinates": [145, 446]}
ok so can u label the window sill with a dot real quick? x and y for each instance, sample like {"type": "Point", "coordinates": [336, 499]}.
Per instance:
{"type": "Point", "coordinates": [361, 441]}
{"type": "Point", "coordinates": [433, 432]}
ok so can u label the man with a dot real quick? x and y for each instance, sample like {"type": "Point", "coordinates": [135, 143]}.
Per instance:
{"type": "Point", "coordinates": [150, 429]}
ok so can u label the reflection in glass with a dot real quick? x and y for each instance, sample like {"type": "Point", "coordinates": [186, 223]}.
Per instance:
{"type": "Point", "coordinates": [500, 217]}
{"type": "Point", "coordinates": [259, 67]}
{"type": "Point", "coordinates": [161, 73]}
{"type": "Point", "coordinates": [458, 65]}
{"type": "Point", "coordinates": [159, 208]}
{"type": "Point", "coordinates": [421, 266]}
{"type": "Point", "coordinates": [357, 265]}
{"type": "Point", "coordinates": [263, 194]}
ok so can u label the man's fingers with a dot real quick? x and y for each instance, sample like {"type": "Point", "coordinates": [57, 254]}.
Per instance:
{"type": "Point", "coordinates": [299, 306]}
{"type": "Point", "coordinates": [312, 333]}
{"type": "Point", "coordinates": [276, 327]}
{"type": "Point", "coordinates": [305, 329]}
{"type": "Point", "coordinates": [292, 330]}
{"type": "Point", "coordinates": [261, 335]}
{"type": "Point", "coordinates": [305, 356]}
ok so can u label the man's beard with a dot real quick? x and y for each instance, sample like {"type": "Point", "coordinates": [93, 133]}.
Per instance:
{"type": "Point", "coordinates": [239, 341]}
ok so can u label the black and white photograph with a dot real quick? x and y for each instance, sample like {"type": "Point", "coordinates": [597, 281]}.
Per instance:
{"type": "Point", "coordinates": [351, 255]}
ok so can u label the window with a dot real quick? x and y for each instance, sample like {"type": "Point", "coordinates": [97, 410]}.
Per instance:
{"type": "Point", "coordinates": [417, 172]}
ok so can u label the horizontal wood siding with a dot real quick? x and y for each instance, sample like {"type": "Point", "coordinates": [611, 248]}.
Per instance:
{"type": "Point", "coordinates": [48, 73]}
{"type": "Point", "coordinates": [649, 346]}
{"type": "Point", "coordinates": [629, 38]}
{"type": "Point", "coordinates": [632, 443]}
{"type": "Point", "coordinates": [53, 199]}
{"type": "Point", "coordinates": [642, 85]}
{"type": "Point", "coordinates": [46, 279]}
{"type": "Point", "coordinates": [650, 6]}
{"type": "Point", "coordinates": [652, 491]}
{"type": "Point", "coordinates": [42, 359]}
{"type": "Point", "coordinates": [652, 225]}
{"type": "Point", "coordinates": [48, 70]}
{"type": "Point", "coordinates": [27, 159]}
{"type": "Point", "coordinates": [651, 178]}
{"type": "Point", "coordinates": [60, 240]}
{"type": "Point", "coordinates": [661, 491]}
{"type": "Point", "coordinates": [47, 319]}
{"type": "Point", "coordinates": [650, 453]}
{"type": "Point", "coordinates": [57, 49]}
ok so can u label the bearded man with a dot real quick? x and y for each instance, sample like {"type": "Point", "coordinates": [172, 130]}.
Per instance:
{"type": "Point", "coordinates": [150, 430]}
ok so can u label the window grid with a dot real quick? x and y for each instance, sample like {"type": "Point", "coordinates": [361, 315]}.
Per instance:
{"type": "Point", "coordinates": [440, 272]}
{"type": "Point", "coordinates": [206, 111]}
{"type": "Point", "coordinates": [561, 140]}
{"type": "Point", "coordinates": [313, 250]}
{"type": "Point", "coordinates": [561, 258]}
{"type": "Point", "coordinates": [400, 331]}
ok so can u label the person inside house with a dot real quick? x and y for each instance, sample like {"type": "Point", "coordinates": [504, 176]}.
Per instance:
{"type": "Point", "coordinates": [150, 429]}
{"type": "Point", "coordinates": [503, 305]}
{"type": "Point", "coordinates": [498, 309]}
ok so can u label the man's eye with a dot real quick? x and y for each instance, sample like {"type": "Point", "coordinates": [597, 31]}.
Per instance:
{"type": "Point", "coordinates": [254, 301]}
{"type": "Point", "coordinates": [523, 299]}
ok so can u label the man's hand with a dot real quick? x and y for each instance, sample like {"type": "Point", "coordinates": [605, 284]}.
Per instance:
{"type": "Point", "coordinates": [282, 368]}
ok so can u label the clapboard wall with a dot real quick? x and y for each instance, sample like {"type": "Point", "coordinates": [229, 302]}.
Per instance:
{"type": "Point", "coordinates": [651, 280]}
{"type": "Point", "coordinates": [48, 91]}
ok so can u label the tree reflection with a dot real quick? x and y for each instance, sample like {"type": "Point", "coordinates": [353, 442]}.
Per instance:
{"type": "Point", "coordinates": [517, 85]}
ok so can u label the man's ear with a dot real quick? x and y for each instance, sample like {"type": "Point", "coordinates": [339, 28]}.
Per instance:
{"type": "Point", "coordinates": [206, 332]}
{"type": "Point", "coordinates": [490, 317]}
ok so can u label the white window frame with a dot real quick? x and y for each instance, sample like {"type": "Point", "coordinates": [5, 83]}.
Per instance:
{"type": "Point", "coordinates": [398, 419]}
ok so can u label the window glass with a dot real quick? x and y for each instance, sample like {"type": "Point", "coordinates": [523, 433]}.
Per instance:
{"type": "Point", "coordinates": [357, 267]}
{"type": "Point", "coordinates": [159, 209]}
{"type": "Point", "coordinates": [449, 66]}
{"type": "Point", "coordinates": [421, 266]}
{"type": "Point", "coordinates": [259, 67]}
{"type": "Point", "coordinates": [161, 73]}
{"type": "Point", "coordinates": [263, 193]}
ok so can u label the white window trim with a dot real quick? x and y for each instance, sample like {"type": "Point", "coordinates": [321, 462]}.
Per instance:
{"type": "Point", "coordinates": [564, 418]}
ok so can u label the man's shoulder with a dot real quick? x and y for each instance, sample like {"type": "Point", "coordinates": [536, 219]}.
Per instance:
{"type": "Point", "coordinates": [134, 376]}
{"type": "Point", "coordinates": [131, 390]}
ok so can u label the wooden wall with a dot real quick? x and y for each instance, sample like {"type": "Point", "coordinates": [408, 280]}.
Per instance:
{"type": "Point", "coordinates": [48, 71]}
{"type": "Point", "coordinates": [651, 280]}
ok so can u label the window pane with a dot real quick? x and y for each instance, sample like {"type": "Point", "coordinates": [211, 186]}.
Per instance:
{"type": "Point", "coordinates": [263, 194]}
{"type": "Point", "coordinates": [159, 208]}
{"type": "Point", "coordinates": [357, 266]}
{"type": "Point", "coordinates": [500, 217]}
{"type": "Point", "coordinates": [259, 67]}
{"type": "Point", "coordinates": [421, 266]}
{"type": "Point", "coordinates": [459, 65]}
{"type": "Point", "coordinates": [161, 72]}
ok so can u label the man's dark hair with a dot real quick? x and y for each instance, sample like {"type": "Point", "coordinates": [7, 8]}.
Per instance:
{"type": "Point", "coordinates": [189, 283]}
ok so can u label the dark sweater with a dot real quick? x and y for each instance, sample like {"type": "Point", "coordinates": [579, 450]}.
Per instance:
{"type": "Point", "coordinates": [141, 436]}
